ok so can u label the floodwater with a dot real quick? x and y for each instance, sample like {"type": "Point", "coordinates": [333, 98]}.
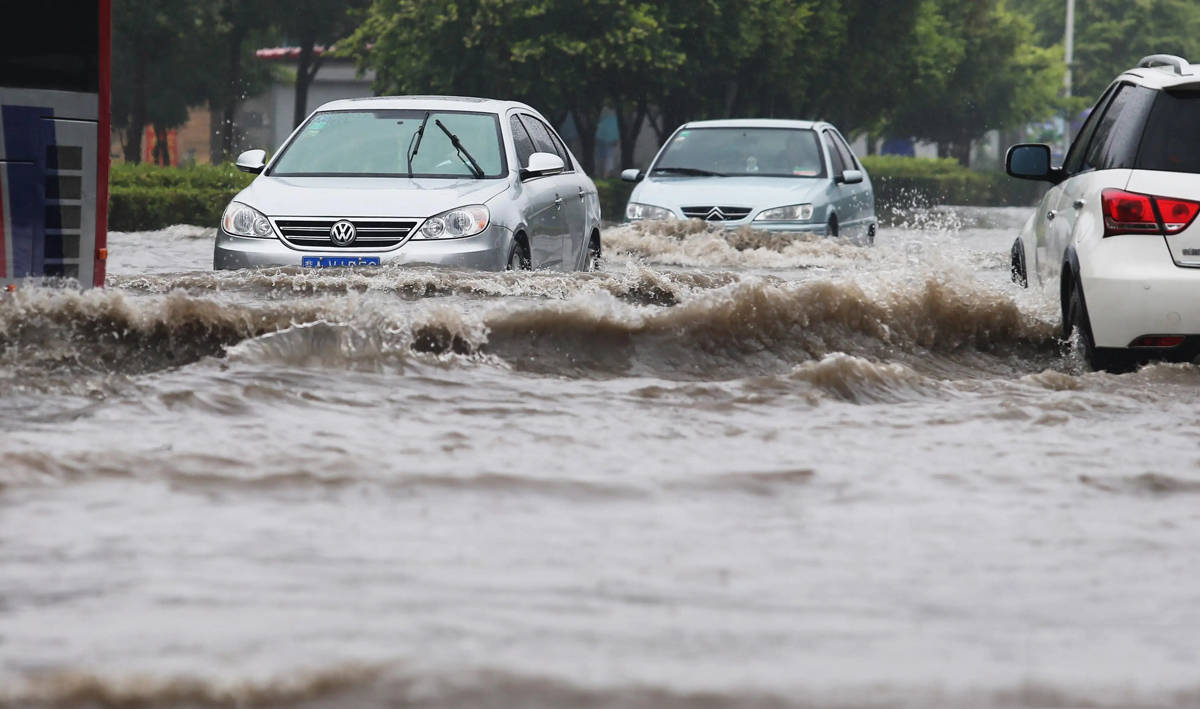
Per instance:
{"type": "Point", "coordinates": [728, 470]}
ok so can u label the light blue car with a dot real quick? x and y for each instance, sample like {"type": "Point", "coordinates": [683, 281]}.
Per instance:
{"type": "Point", "coordinates": [783, 176]}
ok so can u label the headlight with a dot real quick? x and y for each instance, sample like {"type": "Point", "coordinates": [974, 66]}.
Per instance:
{"type": "Point", "coordinates": [464, 221]}
{"type": "Point", "coordinates": [636, 211]}
{"type": "Point", "coordinates": [241, 220]}
{"type": "Point", "coordinates": [793, 213]}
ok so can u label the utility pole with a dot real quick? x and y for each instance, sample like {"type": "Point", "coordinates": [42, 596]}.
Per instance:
{"type": "Point", "coordinates": [1069, 56]}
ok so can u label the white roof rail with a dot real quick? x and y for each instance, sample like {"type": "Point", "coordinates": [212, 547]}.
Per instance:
{"type": "Point", "coordinates": [1182, 66]}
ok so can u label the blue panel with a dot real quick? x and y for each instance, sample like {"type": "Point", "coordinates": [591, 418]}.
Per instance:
{"type": "Point", "coordinates": [26, 137]}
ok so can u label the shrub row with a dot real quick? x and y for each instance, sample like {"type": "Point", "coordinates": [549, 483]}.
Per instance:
{"type": "Point", "coordinates": [142, 197]}
{"type": "Point", "coordinates": [150, 197]}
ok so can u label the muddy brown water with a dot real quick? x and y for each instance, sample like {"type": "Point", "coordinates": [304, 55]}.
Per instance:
{"type": "Point", "coordinates": [730, 469]}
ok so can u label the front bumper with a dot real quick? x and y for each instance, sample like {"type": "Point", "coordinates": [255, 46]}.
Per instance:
{"type": "Point", "coordinates": [487, 251]}
{"type": "Point", "coordinates": [1132, 288]}
{"type": "Point", "coordinates": [778, 227]}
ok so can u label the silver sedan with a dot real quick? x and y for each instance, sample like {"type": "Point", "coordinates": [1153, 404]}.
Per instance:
{"type": "Point", "coordinates": [445, 181]}
{"type": "Point", "coordinates": [778, 175]}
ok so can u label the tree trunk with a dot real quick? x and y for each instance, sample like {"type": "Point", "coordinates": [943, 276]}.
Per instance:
{"type": "Point", "coordinates": [137, 118]}
{"type": "Point", "coordinates": [962, 152]}
{"type": "Point", "coordinates": [162, 152]}
{"type": "Point", "coordinates": [629, 127]}
{"type": "Point", "coordinates": [233, 83]}
{"type": "Point", "coordinates": [306, 71]}
{"type": "Point", "coordinates": [585, 123]}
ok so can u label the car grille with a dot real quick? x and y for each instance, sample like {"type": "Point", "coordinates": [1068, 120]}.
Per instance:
{"type": "Point", "coordinates": [372, 233]}
{"type": "Point", "coordinates": [716, 214]}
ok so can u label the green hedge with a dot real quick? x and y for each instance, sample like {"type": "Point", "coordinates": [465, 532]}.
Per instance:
{"type": "Point", "coordinates": [902, 183]}
{"type": "Point", "coordinates": [142, 197]}
{"type": "Point", "coordinates": [151, 197]}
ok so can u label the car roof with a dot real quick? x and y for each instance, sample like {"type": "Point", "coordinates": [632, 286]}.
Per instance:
{"type": "Point", "coordinates": [754, 123]}
{"type": "Point", "coordinates": [430, 103]}
{"type": "Point", "coordinates": [1174, 72]}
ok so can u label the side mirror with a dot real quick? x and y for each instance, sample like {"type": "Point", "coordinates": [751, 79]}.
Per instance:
{"type": "Point", "coordinates": [252, 161]}
{"type": "Point", "coordinates": [1030, 161]}
{"type": "Point", "coordinates": [851, 177]}
{"type": "Point", "coordinates": [543, 164]}
{"type": "Point", "coordinates": [631, 175]}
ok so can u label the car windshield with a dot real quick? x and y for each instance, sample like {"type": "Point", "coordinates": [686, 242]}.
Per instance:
{"type": "Point", "coordinates": [762, 152]}
{"type": "Point", "coordinates": [1171, 141]}
{"type": "Point", "coordinates": [377, 144]}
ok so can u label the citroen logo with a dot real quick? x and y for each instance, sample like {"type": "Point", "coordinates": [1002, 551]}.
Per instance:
{"type": "Point", "coordinates": [343, 233]}
{"type": "Point", "coordinates": [715, 215]}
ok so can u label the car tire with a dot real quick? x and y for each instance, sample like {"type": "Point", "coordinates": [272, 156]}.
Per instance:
{"type": "Point", "coordinates": [594, 261]}
{"type": "Point", "coordinates": [832, 230]}
{"type": "Point", "coordinates": [871, 235]}
{"type": "Point", "coordinates": [1097, 358]}
{"type": "Point", "coordinates": [518, 260]}
{"type": "Point", "coordinates": [1020, 275]}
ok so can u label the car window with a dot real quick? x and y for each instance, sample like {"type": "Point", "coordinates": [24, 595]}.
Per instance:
{"type": "Point", "coordinates": [376, 144]}
{"type": "Point", "coordinates": [521, 141]}
{"type": "Point", "coordinates": [1115, 143]}
{"type": "Point", "coordinates": [845, 151]}
{"type": "Point", "coordinates": [562, 150]}
{"type": "Point", "coordinates": [741, 152]}
{"type": "Point", "coordinates": [1078, 150]}
{"type": "Point", "coordinates": [542, 142]}
{"type": "Point", "coordinates": [1171, 140]}
{"type": "Point", "coordinates": [839, 165]}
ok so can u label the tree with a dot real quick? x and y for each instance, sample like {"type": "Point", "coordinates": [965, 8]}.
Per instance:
{"type": "Point", "coordinates": [564, 56]}
{"type": "Point", "coordinates": [230, 74]}
{"type": "Point", "coordinates": [1110, 36]}
{"type": "Point", "coordinates": [990, 76]}
{"type": "Point", "coordinates": [311, 24]}
{"type": "Point", "coordinates": [152, 86]}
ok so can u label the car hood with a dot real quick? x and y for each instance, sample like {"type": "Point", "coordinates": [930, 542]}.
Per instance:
{"type": "Point", "coordinates": [753, 192]}
{"type": "Point", "coordinates": [365, 196]}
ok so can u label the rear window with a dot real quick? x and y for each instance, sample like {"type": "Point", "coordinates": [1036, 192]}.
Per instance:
{"type": "Point", "coordinates": [1171, 141]}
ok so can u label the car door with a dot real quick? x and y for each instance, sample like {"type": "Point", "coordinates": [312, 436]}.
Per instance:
{"type": "Point", "coordinates": [841, 194]}
{"type": "Point", "coordinates": [567, 202]}
{"type": "Point", "coordinates": [1051, 233]}
{"type": "Point", "coordinates": [575, 206]}
{"type": "Point", "coordinates": [544, 204]}
{"type": "Point", "coordinates": [860, 209]}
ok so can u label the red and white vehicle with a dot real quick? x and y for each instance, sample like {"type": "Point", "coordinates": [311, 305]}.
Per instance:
{"type": "Point", "coordinates": [54, 139]}
{"type": "Point", "coordinates": [1117, 234]}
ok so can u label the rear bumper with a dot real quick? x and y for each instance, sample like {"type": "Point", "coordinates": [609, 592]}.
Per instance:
{"type": "Point", "coordinates": [487, 251]}
{"type": "Point", "coordinates": [1132, 288]}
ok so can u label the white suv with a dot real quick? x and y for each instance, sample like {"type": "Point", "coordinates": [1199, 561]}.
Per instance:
{"type": "Point", "coordinates": [1117, 232]}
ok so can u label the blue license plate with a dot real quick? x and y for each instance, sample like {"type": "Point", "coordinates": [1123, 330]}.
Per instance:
{"type": "Point", "coordinates": [339, 261]}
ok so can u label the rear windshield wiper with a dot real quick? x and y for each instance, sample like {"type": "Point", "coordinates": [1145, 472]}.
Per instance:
{"type": "Point", "coordinates": [463, 154]}
{"type": "Point", "coordinates": [415, 144]}
{"type": "Point", "coordinates": [689, 171]}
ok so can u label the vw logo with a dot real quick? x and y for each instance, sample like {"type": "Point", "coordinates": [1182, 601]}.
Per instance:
{"type": "Point", "coordinates": [343, 233]}
{"type": "Point", "coordinates": [715, 215]}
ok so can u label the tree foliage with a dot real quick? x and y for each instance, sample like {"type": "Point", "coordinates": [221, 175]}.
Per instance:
{"type": "Point", "coordinates": [1112, 35]}
{"type": "Point", "coordinates": [942, 70]}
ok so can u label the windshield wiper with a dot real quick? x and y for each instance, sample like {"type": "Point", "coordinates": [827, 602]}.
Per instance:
{"type": "Point", "coordinates": [415, 144]}
{"type": "Point", "coordinates": [689, 171]}
{"type": "Point", "coordinates": [463, 154]}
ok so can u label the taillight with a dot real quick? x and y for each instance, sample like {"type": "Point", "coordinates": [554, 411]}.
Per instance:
{"type": "Point", "coordinates": [1133, 213]}
{"type": "Point", "coordinates": [1176, 214]}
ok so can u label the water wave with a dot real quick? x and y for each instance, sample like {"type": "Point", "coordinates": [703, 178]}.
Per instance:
{"type": "Point", "coordinates": [634, 283]}
{"type": "Point", "coordinates": [753, 326]}
{"type": "Point", "coordinates": [493, 689]}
